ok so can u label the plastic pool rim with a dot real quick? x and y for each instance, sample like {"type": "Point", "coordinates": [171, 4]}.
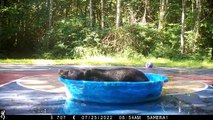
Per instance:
{"type": "Point", "coordinates": [115, 92]}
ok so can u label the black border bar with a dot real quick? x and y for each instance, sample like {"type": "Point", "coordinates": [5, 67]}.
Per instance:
{"type": "Point", "coordinates": [107, 117]}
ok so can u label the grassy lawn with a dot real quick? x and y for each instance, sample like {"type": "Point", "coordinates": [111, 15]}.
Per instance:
{"type": "Point", "coordinates": [113, 61]}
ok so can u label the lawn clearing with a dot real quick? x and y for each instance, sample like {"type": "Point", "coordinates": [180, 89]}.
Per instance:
{"type": "Point", "coordinates": [112, 61]}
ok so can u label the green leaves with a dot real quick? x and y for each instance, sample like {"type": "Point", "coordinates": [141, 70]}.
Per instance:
{"type": "Point", "coordinates": [24, 29]}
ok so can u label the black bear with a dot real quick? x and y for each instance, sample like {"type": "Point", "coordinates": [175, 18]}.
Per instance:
{"type": "Point", "coordinates": [116, 74]}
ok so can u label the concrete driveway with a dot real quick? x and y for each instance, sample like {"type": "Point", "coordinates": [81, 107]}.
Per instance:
{"type": "Point", "coordinates": [34, 89]}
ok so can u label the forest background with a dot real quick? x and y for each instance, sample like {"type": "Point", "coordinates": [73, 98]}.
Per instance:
{"type": "Point", "coordinates": [75, 29]}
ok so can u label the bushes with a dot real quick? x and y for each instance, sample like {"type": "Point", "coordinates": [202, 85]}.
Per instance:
{"type": "Point", "coordinates": [86, 52]}
{"type": "Point", "coordinates": [168, 43]}
{"type": "Point", "coordinates": [70, 39]}
{"type": "Point", "coordinates": [140, 39]}
{"type": "Point", "coordinates": [145, 38]}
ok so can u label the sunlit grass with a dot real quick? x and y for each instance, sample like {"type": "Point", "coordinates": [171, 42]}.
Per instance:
{"type": "Point", "coordinates": [112, 61]}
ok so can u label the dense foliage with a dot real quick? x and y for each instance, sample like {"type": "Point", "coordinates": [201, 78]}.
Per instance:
{"type": "Point", "coordinates": [62, 29]}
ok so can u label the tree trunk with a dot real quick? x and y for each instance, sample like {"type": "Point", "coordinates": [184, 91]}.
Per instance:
{"type": "Point", "coordinates": [163, 8]}
{"type": "Point", "coordinates": [193, 12]}
{"type": "Point", "coordinates": [192, 6]}
{"type": "Point", "coordinates": [50, 10]}
{"type": "Point", "coordinates": [182, 47]}
{"type": "Point", "coordinates": [132, 15]}
{"type": "Point", "coordinates": [118, 14]}
{"type": "Point", "coordinates": [1, 16]}
{"type": "Point", "coordinates": [143, 20]}
{"type": "Point", "coordinates": [94, 14]}
{"type": "Point", "coordinates": [212, 53]}
{"type": "Point", "coordinates": [90, 15]}
{"type": "Point", "coordinates": [102, 14]}
{"type": "Point", "coordinates": [77, 6]}
{"type": "Point", "coordinates": [197, 23]}
{"type": "Point", "coordinates": [68, 7]}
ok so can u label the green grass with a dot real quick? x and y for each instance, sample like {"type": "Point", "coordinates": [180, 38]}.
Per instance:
{"type": "Point", "coordinates": [113, 61]}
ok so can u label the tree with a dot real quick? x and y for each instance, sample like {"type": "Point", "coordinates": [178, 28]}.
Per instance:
{"type": "Point", "coordinates": [182, 46]}
{"type": "Point", "coordinates": [102, 14]}
{"type": "Point", "coordinates": [118, 14]}
{"type": "Point", "coordinates": [162, 17]}
{"type": "Point", "coordinates": [197, 22]}
{"type": "Point", "coordinates": [1, 15]}
{"type": "Point", "coordinates": [50, 11]}
{"type": "Point", "coordinates": [90, 15]}
{"type": "Point", "coordinates": [132, 15]}
{"type": "Point", "coordinates": [25, 25]}
{"type": "Point", "coordinates": [143, 20]}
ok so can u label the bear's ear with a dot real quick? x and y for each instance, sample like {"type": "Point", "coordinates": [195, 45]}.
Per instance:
{"type": "Point", "coordinates": [71, 71]}
{"type": "Point", "coordinates": [60, 71]}
{"type": "Point", "coordinates": [84, 71]}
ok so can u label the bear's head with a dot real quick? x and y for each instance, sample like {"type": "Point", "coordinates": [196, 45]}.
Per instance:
{"type": "Point", "coordinates": [74, 74]}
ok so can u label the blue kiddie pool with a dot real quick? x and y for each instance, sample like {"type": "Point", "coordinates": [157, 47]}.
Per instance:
{"type": "Point", "coordinates": [115, 92]}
